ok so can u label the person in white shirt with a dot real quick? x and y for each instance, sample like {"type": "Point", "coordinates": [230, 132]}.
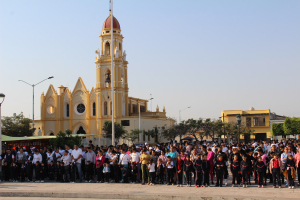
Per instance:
{"type": "Point", "coordinates": [58, 155]}
{"type": "Point", "coordinates": [135, 157]}
{"type": "Point", "coordinates": [76, 156]}
{"type": "Point", "coordinates": [66, 159]}
{"type": "Point", "coordinates": [123, 161]}
{"type": "Point", "coordinates": [70, 152]}
{"type": "Point", "coordinates": [49, 156]}
{"type": "Point", "coordinates": [151, 167]}
{"type": "Point", "coordinates": [37, 157]}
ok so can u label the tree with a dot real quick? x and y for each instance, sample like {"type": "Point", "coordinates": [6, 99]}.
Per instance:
{"type": "Point", "coordinates": [17, 126]}
{"type": "Point", "coordinates": [277, 129]}
{"type": "Point", "coordinates": [170, 133]}
{"type": "Point", "coordinates": [132, 135]}
{"type": "Point", "coordinates": [193, 126]}
{"type": "Point", "coordinates": [63, 139]}
{"type": "Point", "coordinates": [291, 126]}
{"type": "Point", "coordinates": [212, 127]}
{"type": "Point", "coordinates": [119, 130]}
{"type": "Point", "coordinates": [181, 130]}
{"type": "Point", "coordinates": [156, 133]}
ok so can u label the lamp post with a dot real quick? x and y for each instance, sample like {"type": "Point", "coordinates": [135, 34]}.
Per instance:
{"type": "Point", "coordinates": [238, 119]}
{"type": "Point", "coordinates": [151, 101]}
{"type": "Point", "coordinates": [33, 85]}
{"type": "Point", "coordinates": [180, 112]}
{"type": "Point", "coordinates": [112, 73]}
{"type": "Point", "coordinates": [2, 97]}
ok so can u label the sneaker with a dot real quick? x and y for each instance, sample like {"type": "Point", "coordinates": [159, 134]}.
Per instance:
{"type": "Point", "coordinates": [246, 185]}
{"type": "Point", "coordinates": [232, 185]}
{"type": "Point", "coordinates": [190, 185]}
{"type": "Point", "coordinates": [143, 183]}
{"type": "Point", "coordinates": [279, 187]}
{"type": "Point", "coordinates": [178, 185]}
{"type": "Point", "coordinates": [243, 186]}
{"type": "Point", "coordinates": [258, 186]}
{"type": "Point", "coordinates": [133, 182]}
{"type": "Point", "coordinates": [286, 185]}
{"type": "Point", "coordinates": [274, 186]}
{"type": "Point", "coordinates": [152, 183]}
{"type": "Point", "coordinates": [86, 181]}
{"type": "Point", "coordinates": [201, 186]}
{"type": "Point", "coordinates": [168, 184]}
{"type": "Point", "coordinates": [172, 183]}
{"type": "Point", "coordinates": [42, 181]}
{"type": "Point", "coordinates": [187, 186]}
{"type": "Point", "coordinates": [97, 181]}
{"type": "Point", "coordinates": [196, 186]}
{"type": "Point", "coordinates": [16, 180]}
{"type": "Point", "coordinates": [290, 187]}
{"type": "Point", "coordinates": [37, 181]}
{"type": "Point", "coordinates": [293, 187]}
{"type": "Point", "coordinates": [90, 181]}
{"type": "Point", "coordinates": [262, 186]}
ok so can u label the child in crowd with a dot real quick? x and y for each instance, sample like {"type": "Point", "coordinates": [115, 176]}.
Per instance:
{"type": "Point", "coordinates": [275, 169]}
{"type": "Point", "coordinates": [244, 170]}
{"type": "Point", "coordinates": [29, 171]}
{"type": "Point", "coordinates": [37, 171]}
{"type": "Point", "coordinates": [188, 167]}
{"type": "Point", "coordinates": [117, 171]}
{"type": "Point", "coordinates": [206, 170]}
{"type": "Point", "coordinates": [179, 169]}
{"type": "Point", "coordinates": [125, 171]}
{"type": "Point", "coordinates": [259, 168]}
{"type": "Point", "coordinates": [170, 173]}
{"type": "Point", "coordinates": [151, 167]}
{"type": "Point", "coordinates": [88, 172]}
{"type": "Point", "coordinates": [160, 171]}
{"type": "Point", "coordinates": [72, 171]}
{"type": "Point", "coordinates": [99, 172]}
{"type": "Point", "coordinates": [291, 172]}
{"type": "Point", "coordinates": [219, 171]}
{"type": "Point", "coordinates": [51, 171]}
{"type": "Point", "coordinates": [106, 172]}
{"type": "Point", "coordinates": [6, 171]}
{"type": "Point", "coordinates": [57, 166]}
{"type": "Point", "coordinates": [14, 169]}
{"type": "Point", "coordinates": [134, 172]}
{"type": "Point", "coordinates": [198, 171]}
{"type": "Point", "coordinates": [23, 172]}
{"type": "Point", "coordinates": [42, 172]}
{"type": "Point", "coordinates": [235, 168]}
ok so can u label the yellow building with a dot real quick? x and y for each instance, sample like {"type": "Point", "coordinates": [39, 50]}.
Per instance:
{"type": "Point", "coordinates": [257, 120]}
{"type": "Point", "coordinates": [84, 111]}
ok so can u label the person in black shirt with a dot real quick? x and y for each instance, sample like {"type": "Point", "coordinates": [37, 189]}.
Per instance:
{"type": "Point", "coordinates": [260, 169]}
{"type": "Point", "coordinates": [290, 167]}
{"type": "Point", "coordinates": [187, 168]}
{"type": "Point", "coordinates": [42, 172]}
{"type": "Point", "coordinates": [206, 170]}
{"type": "Point", "coordinates": [23, 172]}
{"type": "Point", "coordinates": [219, 170]}
{"type": "Point", "coordinates": [235, 168]}
{"type": "Point", "coordinates": [198, 171]}
{"type": "Point", "coordinates": [51, 171]}
{"type": "Point", "coordinates": [37, 171]}
{"type": "Point", "coordinates": [244, 170]}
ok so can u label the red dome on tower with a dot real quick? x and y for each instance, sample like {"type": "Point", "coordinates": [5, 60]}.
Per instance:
{"type": "Point", "coordinates": [107, 23]}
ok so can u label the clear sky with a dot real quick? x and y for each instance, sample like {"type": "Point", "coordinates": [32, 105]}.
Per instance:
{"type": "Point", "coordinates": [210, 55]}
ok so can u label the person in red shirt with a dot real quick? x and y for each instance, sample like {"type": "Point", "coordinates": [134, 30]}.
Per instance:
{"type": "Point", "coordinates": [179, 171]}
{"type": "Point", "coordinates": [275, 169]}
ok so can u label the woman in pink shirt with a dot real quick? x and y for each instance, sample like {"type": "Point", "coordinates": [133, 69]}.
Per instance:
{"type": "Point", "coordinates": [163, 157]}
{"type": "Point", "coordinates": [297, 164]}
{"type": "Point", "coordinates": [210, 158]}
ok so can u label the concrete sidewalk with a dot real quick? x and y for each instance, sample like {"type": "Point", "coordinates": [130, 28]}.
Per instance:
{"type": "Point", "coordinates": [137, 191]}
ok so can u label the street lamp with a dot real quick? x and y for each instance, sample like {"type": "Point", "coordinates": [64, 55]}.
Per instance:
{"type": "Point", "coordinates": [2, 97]}
{"type": "Point", "coordinates": [151, 101]}
{"type": "Point", "coordinates": [33, 85]}
{"type": "Point", "coordinates": [238, 119]}
{"type": "Point", "coordinates": [180, 115]}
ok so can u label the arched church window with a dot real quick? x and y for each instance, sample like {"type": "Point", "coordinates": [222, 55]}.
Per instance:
{"type": "Point", "coordinates": [81, 130]}
{"type": "Point", "coordinates": [94, 109]}
{"type": "Point", "coordinates": [67, 110]}
{"type": "Point", "coordinates": [105, 108]}
{"type": "Point", "coordinates": [120, 48]}
{"type": "Point", "coordinates": [51, 134]}
{"type": "Point", "coordinates": [107, 48]}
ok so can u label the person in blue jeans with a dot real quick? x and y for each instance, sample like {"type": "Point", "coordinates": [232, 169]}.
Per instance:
{"type": "Point", "coordinates": [76, 156]}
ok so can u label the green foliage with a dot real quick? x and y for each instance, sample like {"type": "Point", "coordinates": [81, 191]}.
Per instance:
{"type": "Point", "coordinates": [132, 135]}
{"type": "Point", "coordinates": [17, 126]}
{"type": "Point", "coordinates": [291, 126]}
{"type": "Point", "coordinates": [119, 130]}
{"type": "Point", "coordinates": [157, 133]}
{"type": "Point", "coordinates": [63, 139]}
{"type": "Point", "coordinates": [277, 129]}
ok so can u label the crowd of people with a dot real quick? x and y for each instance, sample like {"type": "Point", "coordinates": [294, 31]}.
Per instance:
{"type": "Point", "coordinates": [200, 163]}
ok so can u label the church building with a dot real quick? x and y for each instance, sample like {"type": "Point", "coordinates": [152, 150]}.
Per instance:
{"type": "Point", "coordinates": [84, 111]}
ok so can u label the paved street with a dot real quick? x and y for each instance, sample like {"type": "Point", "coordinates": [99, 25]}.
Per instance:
{"type": "Point", "coordinates": [137, 191]}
